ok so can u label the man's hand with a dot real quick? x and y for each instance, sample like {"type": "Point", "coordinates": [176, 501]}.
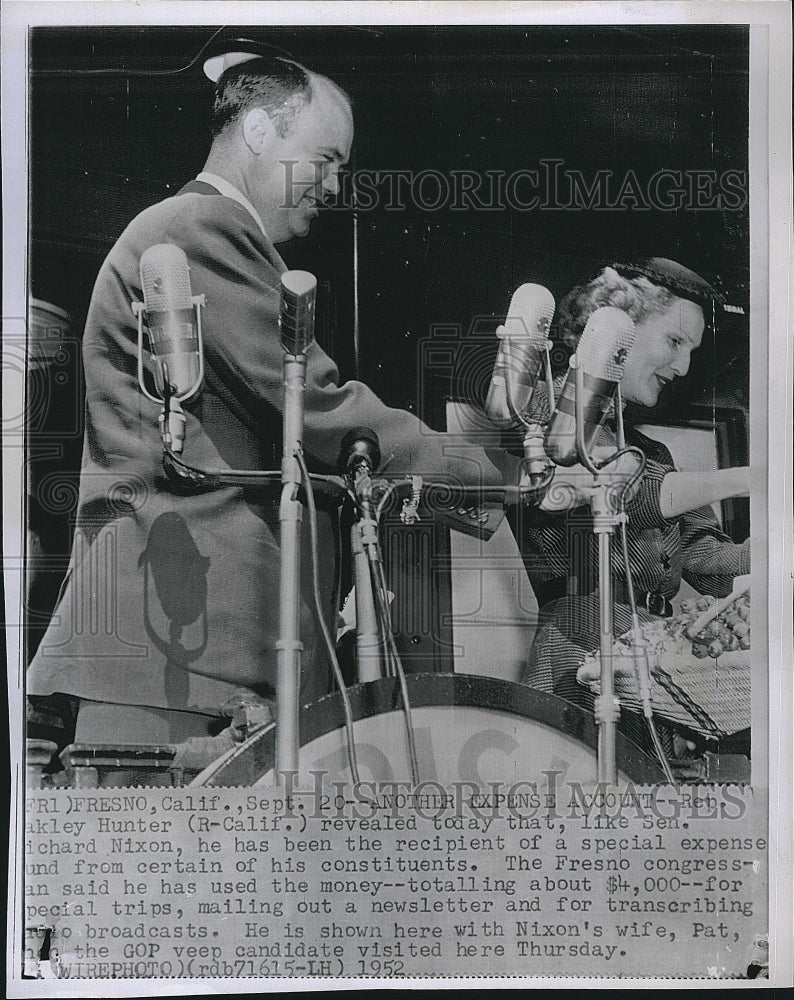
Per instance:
{"type": "Point", "coordinates": [574, 486]}
{"type": "Point", "coordinates": [571, 487]}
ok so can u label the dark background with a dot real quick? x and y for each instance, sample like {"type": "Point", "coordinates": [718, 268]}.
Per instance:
{"type": "Point", "coordinates": [117, 123]}
{"type": "Point", "coordinates": [105, 146]}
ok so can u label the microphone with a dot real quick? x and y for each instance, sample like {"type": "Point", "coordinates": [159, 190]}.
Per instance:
{"type": "Point", "coordinates": [360, 447]}
{"type": "Point", "coordinates": [296, 321]}
{"type": "Point", "coordinates": [601, 355]}
{"type": "Point", "coordinates": [298, 294]}
{"type": "Point", "coordinates": [173, 323]}
{"type": "Point", "coordinates": [521, 353]}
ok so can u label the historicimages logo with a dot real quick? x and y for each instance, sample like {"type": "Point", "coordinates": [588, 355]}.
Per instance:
{"type": "Point", "coordinates": [549, 185]}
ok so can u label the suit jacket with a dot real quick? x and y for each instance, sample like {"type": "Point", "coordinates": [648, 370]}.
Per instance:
{"type": "Point", "coordinates": [172, 600]}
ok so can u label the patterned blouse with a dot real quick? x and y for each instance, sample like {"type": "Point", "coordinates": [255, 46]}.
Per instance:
{"type": "Point", "coordinates": [560, 553]}
{"type": "Point", "coordinates": [662, 551]}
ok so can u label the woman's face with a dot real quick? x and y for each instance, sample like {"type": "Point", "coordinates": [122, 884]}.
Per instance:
{"type": "Point", "coordinates": [662, 346]}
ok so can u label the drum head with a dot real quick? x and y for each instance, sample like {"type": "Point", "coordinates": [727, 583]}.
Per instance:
{"type": "Point", "coordinates": [467, 728]}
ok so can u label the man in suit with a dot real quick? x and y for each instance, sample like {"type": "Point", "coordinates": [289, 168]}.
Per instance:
{"type": "Point", "coordinates": [170, 607]}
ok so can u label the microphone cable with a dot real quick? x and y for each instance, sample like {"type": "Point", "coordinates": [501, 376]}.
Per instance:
{"type": "Point", "coordinates": [381, 598]}
{"type": "Point", "coordinates": [392, 662]}
{"type": "Point", "coordinates": [318, 606]}
{"type": "Point", "coordinates": [642, 664]}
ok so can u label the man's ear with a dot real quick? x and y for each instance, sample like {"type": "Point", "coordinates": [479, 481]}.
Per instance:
{"type": "Point", "coordinates": [257, 129]}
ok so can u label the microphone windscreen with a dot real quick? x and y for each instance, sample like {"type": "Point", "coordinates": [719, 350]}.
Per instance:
{"type": "Point", "coordinates": [605, 343]}
{"type": "Point", "coordinates": [522, 341]}
{"type": "Point", "coordinates": [165, 278]}
{"type": "Point", "coordinates": [530, 314]}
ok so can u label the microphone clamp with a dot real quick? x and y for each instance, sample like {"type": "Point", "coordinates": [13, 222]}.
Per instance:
{"type": "Point", "coordinates": [173, 424]}
{"type": "Point", "coordinates": [139, 309]}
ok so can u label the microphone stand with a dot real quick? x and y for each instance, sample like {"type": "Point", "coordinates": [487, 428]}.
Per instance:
{"type": "Point", "coordinates": [371, 598]}
{"type": "Point", "coordinates": [373, 633]}
{"type": "Point", "coordinates": [289, 647]}
{"type": "Point", "coordinates": [606, 517]}
{"type": "Point", "coordinates": [365, 551]}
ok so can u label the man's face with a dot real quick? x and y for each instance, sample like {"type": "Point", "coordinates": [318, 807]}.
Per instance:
{"type": "Point", "coordinates": [662, 347]}
{"type": "Point", "coordinates": [302, 170]}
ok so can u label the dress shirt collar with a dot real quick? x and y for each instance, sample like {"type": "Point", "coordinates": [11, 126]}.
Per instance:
{"type": "Point", "coordinates": [230, 191]}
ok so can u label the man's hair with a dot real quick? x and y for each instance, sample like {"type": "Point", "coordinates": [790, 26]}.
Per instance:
{"type": "Point", "coordinates": [638, 297]}
{"type": "Point", "coordinates": [283, 88]}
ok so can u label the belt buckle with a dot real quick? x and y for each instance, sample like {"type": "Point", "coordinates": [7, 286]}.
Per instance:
{"type": "Point", "coordinates": [656, 604]}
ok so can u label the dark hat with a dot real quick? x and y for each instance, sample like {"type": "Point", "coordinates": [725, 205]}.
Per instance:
{"type": "Point", "coordinates": [675, 277]}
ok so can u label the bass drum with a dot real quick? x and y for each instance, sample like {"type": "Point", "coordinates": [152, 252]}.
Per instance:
{"type": "Point", "coordinates": [467, 728]}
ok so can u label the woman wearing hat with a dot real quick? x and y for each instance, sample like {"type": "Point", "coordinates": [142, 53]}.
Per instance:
{"type": "Point", "coordinates": [672, 532]}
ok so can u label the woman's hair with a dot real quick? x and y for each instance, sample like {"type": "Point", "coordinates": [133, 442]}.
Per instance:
{"type": "Point", "coordinates": [637, 296]}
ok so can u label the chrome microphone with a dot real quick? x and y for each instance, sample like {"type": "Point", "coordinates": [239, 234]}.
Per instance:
{"type": "Point", "coordinates": [296, 321]}
{"type": "Point", "coordinates": [298, 298]}
{"type": "Point", "coordinates": [172, 320]}
{"type": "Point", "coordinates": [522, 347]}
{"type": "Point", "coordinates": [601, 357]}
